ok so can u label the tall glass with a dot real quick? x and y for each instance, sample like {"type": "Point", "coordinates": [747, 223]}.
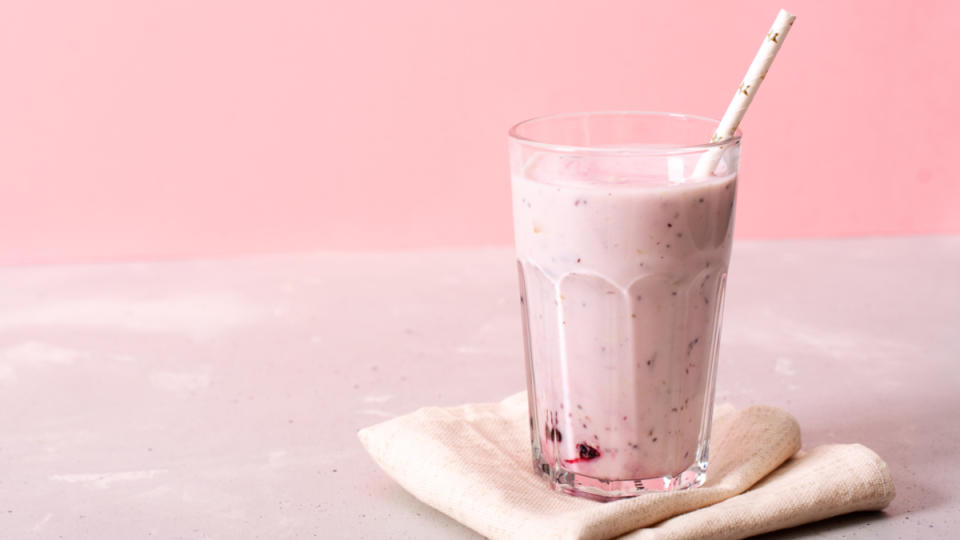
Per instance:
{"type": "Point", "coordinates": [622, 253]}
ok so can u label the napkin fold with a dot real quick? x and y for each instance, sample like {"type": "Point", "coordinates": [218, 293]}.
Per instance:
{"type": "Point", "coordinates": [473, 463]}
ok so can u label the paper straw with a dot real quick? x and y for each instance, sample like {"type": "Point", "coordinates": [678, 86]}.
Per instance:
{"type": "Point", "coordinates": [747, 89]}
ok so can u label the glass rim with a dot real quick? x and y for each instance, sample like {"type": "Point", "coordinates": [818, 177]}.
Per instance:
{"type": "Point", "coordinates": [645, 148]}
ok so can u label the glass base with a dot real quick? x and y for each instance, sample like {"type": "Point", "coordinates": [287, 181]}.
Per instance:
{"type": "Point", "coordinates": [599, 489]}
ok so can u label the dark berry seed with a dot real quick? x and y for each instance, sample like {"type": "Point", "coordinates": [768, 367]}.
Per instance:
{"type": "Point", "coordinates": [669, 224]}
{"type": "Point", "coordinates": [701, 199]}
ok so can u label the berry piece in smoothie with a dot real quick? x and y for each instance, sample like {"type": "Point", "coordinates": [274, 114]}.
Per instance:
{"type": "Point", "coordinates": [586, 451]}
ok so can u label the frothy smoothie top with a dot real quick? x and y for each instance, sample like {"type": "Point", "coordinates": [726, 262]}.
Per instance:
{"type": "Point", "coordinates": [624, 172]}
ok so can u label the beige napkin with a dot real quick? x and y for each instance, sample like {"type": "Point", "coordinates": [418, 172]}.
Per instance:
{"type": "Point", "coordinates": [473, 463]}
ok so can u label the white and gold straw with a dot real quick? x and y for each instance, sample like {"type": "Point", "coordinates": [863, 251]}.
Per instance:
{"type": "Point", "coordinates": [747, 89]}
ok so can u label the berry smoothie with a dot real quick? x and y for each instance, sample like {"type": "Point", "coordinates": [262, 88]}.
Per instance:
{"type": "Point", "coordinates": [622, 274]}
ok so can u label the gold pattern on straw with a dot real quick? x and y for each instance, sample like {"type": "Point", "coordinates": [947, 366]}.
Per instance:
{"type": "Point", "coordinates": [747, 90]}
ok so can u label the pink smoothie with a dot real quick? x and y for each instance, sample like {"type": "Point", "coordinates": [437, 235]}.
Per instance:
{"type": "Point", "coordinates": [622, 279]}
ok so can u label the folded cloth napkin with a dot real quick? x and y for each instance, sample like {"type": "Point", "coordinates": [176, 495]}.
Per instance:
{"type": "Point", "coordinates": [473, 463]}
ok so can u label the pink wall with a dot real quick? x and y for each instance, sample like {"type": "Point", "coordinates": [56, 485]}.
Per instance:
{"type": "Point", "coordinates": [163, 128]}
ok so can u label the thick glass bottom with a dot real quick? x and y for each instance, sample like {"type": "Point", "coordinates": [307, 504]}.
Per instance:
{"type": "Point", "coordinates": [604, 490]}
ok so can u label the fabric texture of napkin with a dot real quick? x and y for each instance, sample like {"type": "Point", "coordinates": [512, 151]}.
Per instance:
{"type": "Point", "coordinates": [473, 463]}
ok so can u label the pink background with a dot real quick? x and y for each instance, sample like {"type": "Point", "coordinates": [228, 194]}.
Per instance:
{"type": "Point", "coordinates": [179, 128]}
